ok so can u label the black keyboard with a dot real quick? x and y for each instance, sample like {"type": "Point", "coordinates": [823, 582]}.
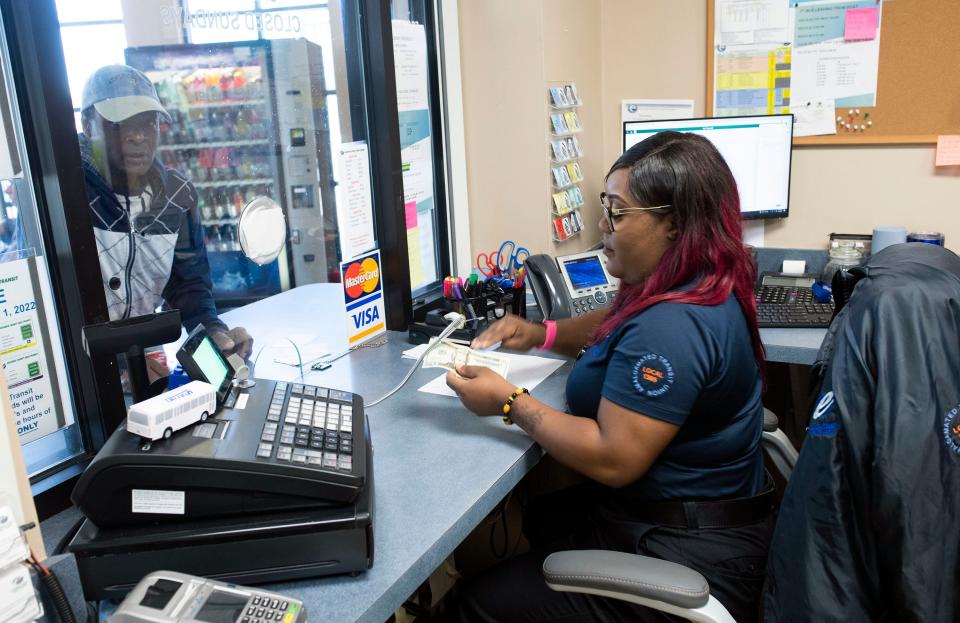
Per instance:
{"type": "Point", "coordinates": [310, 426]}
{"type": "Point", "coordinates": [783, 306]}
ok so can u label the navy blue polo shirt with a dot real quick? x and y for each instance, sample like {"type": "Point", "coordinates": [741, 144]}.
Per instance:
{"type": "Point", "coordinates": [693, 366]}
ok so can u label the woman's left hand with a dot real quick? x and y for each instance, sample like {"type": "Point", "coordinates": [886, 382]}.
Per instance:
{"type": "Point", "coordinates": [481, 390]}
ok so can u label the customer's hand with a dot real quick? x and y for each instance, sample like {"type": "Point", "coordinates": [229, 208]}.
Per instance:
{"type": "Point", "coordinates": [513, 332]}
{"type": "Point", "coordinates": [235, 340]}
{"type": "Point", "coordinates": [481, 390]}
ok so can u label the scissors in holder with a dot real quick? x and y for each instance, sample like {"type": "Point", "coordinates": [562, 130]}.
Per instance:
{"type": "Point", "coordinates": [510, 258]}
{"type": "Point", "coordinates": [487, 265]}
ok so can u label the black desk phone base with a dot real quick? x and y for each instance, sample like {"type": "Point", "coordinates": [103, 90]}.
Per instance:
{"type": "Point", "coordinates": [571, 285]}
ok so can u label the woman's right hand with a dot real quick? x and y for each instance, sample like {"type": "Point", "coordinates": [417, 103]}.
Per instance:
{"type": "Point", "coordinates": [513, 333]}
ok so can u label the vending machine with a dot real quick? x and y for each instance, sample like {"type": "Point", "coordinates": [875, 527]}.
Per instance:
{"type": "Point", "coordinates": [249, 119]}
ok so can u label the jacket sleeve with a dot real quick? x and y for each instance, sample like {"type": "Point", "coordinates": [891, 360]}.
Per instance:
{"type": "Point", "coordinates": [190, 288]}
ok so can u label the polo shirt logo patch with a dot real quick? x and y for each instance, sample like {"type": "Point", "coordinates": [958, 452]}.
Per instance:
{"type": "Point", "coordinates": [951, 430]}
{"type": "Point", "coordinates": [652, 375]}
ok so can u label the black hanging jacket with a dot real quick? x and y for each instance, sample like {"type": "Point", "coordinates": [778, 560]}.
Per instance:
{"type": "Point", "coordinates": [869, 529]}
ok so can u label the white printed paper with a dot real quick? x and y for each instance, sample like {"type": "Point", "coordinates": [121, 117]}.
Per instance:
{"type": "Point", "coordinates": [834, 70]}
{"type": "Point", "coordinates": [410, 61]}
{"type": "Point", "coordinates": [354, 200]}
{"type": "Point", "coordinates": [814, 118]}
{"type": "Point", "coordinates": [653, 109]}
{"type": "Point", "coordinates": [525, 370]}
{"type": "Point", "coordinates": [32, 377]}
{"type": "Point", "coordinates": [158, 502]}
{"type": "Point", "coordinates": [746, 22]}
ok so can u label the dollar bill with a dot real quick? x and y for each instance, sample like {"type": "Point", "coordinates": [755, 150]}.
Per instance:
{"type": "Point", "coordinates": [451, 356]}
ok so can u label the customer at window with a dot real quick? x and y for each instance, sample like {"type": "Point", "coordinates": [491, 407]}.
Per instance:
{"type": "Point", "coordinates": [149, 238]}
{"type": "Point", "coordinates": [664, 401]}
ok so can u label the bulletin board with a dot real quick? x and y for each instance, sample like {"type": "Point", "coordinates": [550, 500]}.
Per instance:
{"type": "Point", "coordinates": [918, 91]}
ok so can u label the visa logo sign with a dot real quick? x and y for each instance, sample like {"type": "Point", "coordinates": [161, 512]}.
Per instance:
{"type": "Point", "coordinates": [365, 316]}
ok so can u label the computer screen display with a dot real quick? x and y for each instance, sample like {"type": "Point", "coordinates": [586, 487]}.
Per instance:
{"type": "Point", "coordinates": [757, 150]}
{"type": "Point", "coordinates": [585, 272]}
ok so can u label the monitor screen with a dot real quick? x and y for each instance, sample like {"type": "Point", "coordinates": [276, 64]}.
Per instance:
{"type": "Point", "coordinates": [757, 150]}
{"type": "Point", "coordinates": [211, 363]}
{"type": "Point", "coordinates": [585, 272]}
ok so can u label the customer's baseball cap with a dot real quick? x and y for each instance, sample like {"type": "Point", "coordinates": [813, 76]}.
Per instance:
{"type": "Point", "coordinates": [119, 92]}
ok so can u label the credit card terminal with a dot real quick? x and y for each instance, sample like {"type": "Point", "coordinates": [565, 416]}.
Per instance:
{"type": "Point", "coordinates": [171, 597]}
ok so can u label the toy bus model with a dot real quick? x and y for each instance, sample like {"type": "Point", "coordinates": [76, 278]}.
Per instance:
{"type": "Point", "coordinates": [162, 415]}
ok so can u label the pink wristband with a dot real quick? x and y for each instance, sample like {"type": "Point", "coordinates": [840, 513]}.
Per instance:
{"type": "Point", "coordinates": [551, 337]}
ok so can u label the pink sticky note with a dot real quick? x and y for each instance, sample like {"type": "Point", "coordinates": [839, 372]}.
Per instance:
{"type": "Point", "coordinates": [862, 24]}
{"type": "Point", "coordinates": [948, 150]}
{"type": "Point", "coordinates": [410, 209]}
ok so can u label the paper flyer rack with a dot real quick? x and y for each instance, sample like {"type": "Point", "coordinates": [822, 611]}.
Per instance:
{"type": "Point", "coordinates": [566, 174]}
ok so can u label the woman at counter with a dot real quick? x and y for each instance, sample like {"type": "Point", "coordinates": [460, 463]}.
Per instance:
{"type": "Point", "coordinates": [664, 401]}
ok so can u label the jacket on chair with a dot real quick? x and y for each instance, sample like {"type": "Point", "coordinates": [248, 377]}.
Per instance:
{"type": "Point", "coordinates": [869, 528]}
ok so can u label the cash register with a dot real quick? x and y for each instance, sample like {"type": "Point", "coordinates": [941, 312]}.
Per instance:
{"type": "Point", "coordinates": [277, 485]}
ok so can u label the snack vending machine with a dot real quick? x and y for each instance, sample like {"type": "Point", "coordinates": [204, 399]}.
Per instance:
{"type": "Point", "coordinates": [250, 119]}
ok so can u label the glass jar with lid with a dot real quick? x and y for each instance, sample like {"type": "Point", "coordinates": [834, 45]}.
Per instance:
{"type": "Point", "coordinates": [841, 258]}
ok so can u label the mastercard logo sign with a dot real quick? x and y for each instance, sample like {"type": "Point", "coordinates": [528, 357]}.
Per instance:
{"type": "Point", "coordinates": [361, 278]}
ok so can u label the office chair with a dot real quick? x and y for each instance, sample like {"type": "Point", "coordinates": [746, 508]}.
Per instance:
{"type": "Point", "coordinates": [658, 584]}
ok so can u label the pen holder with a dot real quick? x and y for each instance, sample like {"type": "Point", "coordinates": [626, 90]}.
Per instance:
{"type": "Point", "coordinates": [473, 308]}
{"type": "Point", "coordinates": [518, 303]}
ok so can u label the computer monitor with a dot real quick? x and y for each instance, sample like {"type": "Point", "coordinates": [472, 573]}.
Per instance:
{"type": "Point", "coordinates": [757, 150]}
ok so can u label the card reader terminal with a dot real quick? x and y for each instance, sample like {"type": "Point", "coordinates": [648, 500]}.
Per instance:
{"type": "Point", "coordinates": [171, 597]}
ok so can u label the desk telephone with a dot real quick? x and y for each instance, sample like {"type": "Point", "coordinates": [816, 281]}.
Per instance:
{"type": "Point", "coordinates": [570, 285]}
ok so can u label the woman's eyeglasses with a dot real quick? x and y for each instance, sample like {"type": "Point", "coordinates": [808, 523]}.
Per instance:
{"type": "Point", "coordinates": [612, 212]}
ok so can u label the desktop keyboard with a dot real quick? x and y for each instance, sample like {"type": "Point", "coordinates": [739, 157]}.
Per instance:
{"type": "Point", "coordinates": [310, 426]}
{"type": "Point", "coordinates": [783, 306]}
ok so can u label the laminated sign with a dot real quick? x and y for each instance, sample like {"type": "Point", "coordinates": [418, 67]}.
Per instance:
{"type": "Point", "coordinates": [363, 297]}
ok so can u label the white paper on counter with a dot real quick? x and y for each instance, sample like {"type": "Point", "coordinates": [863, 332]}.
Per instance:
{"type": "Point", "coordinates": [525, 370]}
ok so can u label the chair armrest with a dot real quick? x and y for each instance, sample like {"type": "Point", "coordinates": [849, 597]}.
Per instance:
{"type": "Point", "coordinates": [627, 574]}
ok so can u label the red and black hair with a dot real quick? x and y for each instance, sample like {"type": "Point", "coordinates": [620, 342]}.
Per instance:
{"type": "Point", "coordinates": [687, 172]}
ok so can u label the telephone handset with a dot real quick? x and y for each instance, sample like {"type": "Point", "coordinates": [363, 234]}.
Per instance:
{"type": "Point", "coordinates": [570, 285]}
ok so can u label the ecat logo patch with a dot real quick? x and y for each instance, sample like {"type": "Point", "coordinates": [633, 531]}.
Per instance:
{"type": "Point", "coordinates": [951, 429]}
{"type": "Point", "coordinates": [652, 375]}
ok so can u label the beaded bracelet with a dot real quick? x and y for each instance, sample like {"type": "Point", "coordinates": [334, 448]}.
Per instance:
{"type": "Point", "coordinates": [509, 403]}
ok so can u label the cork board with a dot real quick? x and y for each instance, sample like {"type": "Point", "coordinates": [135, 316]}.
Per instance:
{"type": "Point", "coordinates": [918, 89]}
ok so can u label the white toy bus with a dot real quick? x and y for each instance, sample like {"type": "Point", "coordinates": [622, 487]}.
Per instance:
{"type": "Point", "coordinates": [161, 415]}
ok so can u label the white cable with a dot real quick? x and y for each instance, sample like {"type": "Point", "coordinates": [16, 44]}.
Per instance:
{"type": "Point", "coordinates": [456, 322]}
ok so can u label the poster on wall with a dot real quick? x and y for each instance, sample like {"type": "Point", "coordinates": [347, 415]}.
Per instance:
{"type": "Point", "coordinates": [416, 148]}
{"type": "Point", "coordinates": [26, 354]}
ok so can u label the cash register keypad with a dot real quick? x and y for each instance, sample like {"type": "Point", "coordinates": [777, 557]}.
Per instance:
{"type": "Point", "coordinates": [313, 426]}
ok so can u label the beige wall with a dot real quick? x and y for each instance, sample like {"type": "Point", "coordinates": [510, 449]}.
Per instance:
{"type": "Point", "coordinates": [618, 49]}
{"type": "Point", "coordinates": [511, 52]}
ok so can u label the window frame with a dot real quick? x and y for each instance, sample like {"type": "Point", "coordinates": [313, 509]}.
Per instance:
{"type": "Point", "coordinates": [46, 111]}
